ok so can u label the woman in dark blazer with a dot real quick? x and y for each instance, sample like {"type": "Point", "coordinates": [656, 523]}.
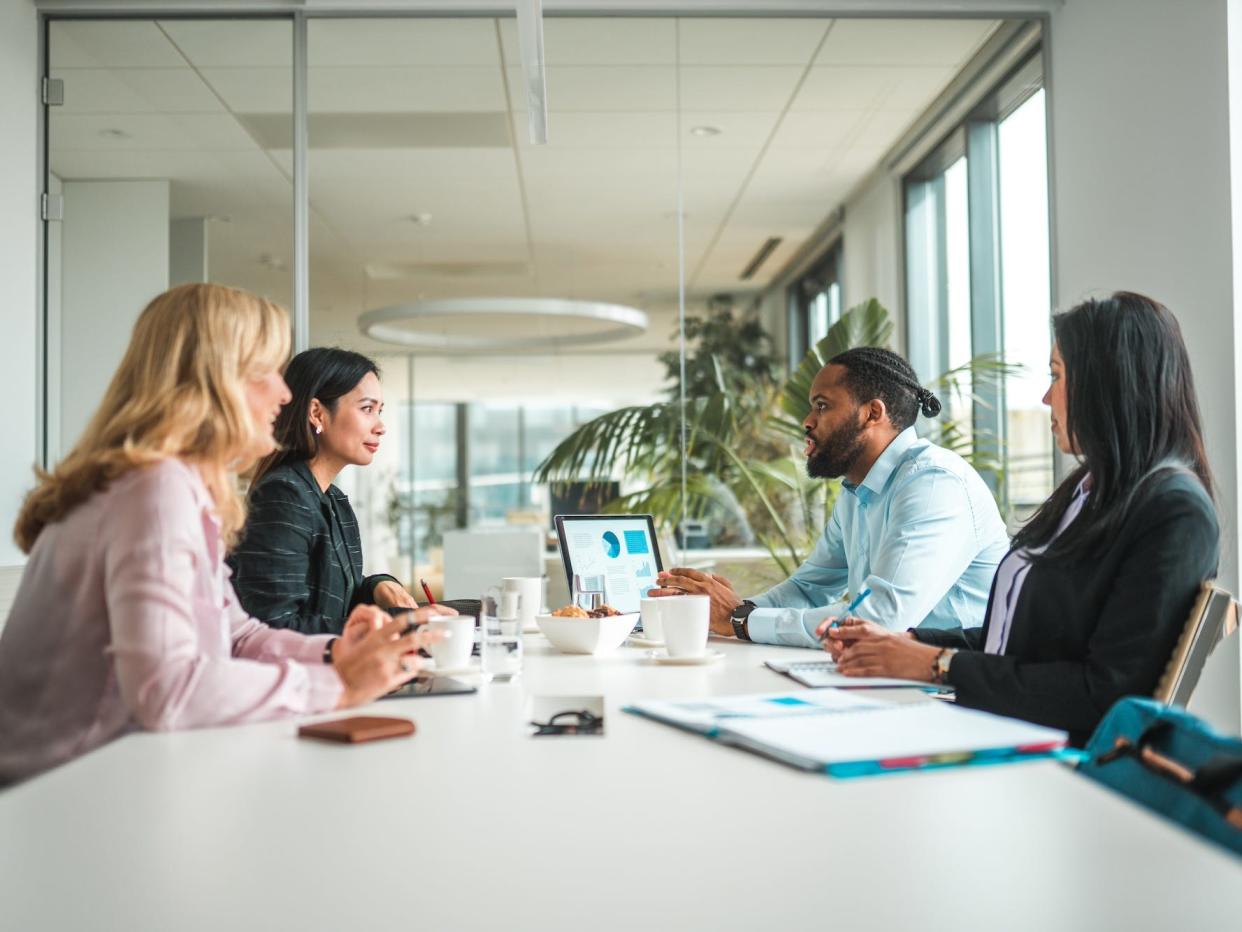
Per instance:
{"type": "Point", "coordinates": [299, 562]}
{"type": "Point", "coordinates": [1088, 604]}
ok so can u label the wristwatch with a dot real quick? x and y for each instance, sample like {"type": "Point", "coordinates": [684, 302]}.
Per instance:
{"type": "Point", "coordinates": [940, 665]}
{"type": "Point", "coordinates": [739, 616]}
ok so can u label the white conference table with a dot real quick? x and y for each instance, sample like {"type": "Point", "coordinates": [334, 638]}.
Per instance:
{"type": "Point", "coordinates": [472, 824]}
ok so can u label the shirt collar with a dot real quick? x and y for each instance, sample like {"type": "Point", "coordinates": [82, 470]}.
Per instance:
{"type": "Point", "coordinates": [882, 469]}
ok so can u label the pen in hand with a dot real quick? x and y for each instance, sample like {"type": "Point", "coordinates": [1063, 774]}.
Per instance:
{"type": "Point", "coordinates": [858, 600]}
{"type": "Point", "coordinates": [427, 591]}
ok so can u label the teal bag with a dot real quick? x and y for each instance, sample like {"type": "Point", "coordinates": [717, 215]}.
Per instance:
{"type": "Point", "coordinates": [1173, 763]}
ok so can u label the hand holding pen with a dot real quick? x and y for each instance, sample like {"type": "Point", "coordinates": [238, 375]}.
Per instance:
{"type": "Point", "coordinates": [828, 630]}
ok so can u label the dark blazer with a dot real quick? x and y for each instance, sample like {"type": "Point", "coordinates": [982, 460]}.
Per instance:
{"type": "Point", "coordinates": [299, 562]}
{"type": "Point", "coordinates": [1085, 633]}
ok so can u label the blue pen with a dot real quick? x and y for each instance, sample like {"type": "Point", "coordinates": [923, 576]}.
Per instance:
{"type": "Point", "coordinates": [858, 600]}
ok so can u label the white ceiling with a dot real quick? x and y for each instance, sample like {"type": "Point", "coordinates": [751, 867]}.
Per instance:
{"type": "Point", "coordinates": [806, 107]}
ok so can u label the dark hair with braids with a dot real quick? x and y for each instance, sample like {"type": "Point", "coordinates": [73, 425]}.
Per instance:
{"type": "Point", "coordinates": [1131, 409]}
{"type": "Point", "coordinates": [873, 372]}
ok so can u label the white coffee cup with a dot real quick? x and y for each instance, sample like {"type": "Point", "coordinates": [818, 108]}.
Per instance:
{"type": "Point", "coordinates": [653, 630]}
{"type": "Point", "coordinates": [453, 653]}
{"type": "Point", "coordinates": [685, 620]}
{"type": "Point", "coordinates": [530, 592]}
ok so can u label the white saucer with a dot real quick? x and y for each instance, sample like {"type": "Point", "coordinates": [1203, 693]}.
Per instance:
{"type": "Point", "coordinates": [660, 655]}
{"type": "Point", "coordinates": [637, 640]}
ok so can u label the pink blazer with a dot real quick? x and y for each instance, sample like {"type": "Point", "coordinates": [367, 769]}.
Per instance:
{"type": "Point", "coordinates": [125, 618]}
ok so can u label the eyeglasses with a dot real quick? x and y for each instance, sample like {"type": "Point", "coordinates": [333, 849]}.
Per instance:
{"type": "Point", "coordinates": [571, 722]}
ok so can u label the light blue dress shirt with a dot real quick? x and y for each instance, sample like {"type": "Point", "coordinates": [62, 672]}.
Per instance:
{"type": "Point", "coordinates": [921, 530]}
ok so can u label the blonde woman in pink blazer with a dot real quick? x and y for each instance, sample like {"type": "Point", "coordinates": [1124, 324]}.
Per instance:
{"type": "Point", "coordinates": [125, 617]}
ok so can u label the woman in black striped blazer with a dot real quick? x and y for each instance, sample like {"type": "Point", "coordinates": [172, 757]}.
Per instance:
{"type": "Point", "coordinates": [299, 562]}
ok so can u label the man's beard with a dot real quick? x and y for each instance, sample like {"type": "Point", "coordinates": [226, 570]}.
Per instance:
{"type": "Point", "coordinates": [834, 457]}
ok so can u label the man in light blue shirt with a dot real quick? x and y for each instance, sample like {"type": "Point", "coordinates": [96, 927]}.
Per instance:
{"type": "Point", "coordinates": [914, 522]}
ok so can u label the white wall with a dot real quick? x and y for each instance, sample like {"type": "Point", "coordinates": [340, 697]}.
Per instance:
{"type": "Point", "coordinates": [871, 266]}
{"type": "Point", "coordinates": [19, 259]}
{"type": "Point", "coordinates": [114, 259]}
{"type": "Point", "coordinates": [1139, 127]}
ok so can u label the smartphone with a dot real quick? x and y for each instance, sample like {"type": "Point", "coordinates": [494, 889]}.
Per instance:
{"type": "Point", "coordinates": [423, 686]}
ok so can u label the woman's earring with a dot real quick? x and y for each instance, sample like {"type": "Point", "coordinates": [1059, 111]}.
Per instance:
{"type": "Point", "coordinates": [319, 428]}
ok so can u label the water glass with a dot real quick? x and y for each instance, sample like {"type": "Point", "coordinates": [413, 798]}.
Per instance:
{"type": "Point", "coordinates": [500, 635]}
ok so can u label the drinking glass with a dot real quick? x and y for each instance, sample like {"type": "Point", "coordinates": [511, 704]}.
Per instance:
{"type": "Point", "coordinates": [500, 627]}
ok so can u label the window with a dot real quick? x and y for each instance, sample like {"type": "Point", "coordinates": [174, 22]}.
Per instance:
{"type": "Point", "coordinates": [977, 276]}
{"type": "Point", "coordinates": [814, 304]}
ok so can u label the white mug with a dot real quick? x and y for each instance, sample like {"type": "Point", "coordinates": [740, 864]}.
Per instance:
{"type": "Point", "coordinates": [453, 653]}
{"type": "Point", "coordinates": [685, 620]}
{"type": "Point", "coordinates": [530, 592]}
{"type": "Point", "coordinates": [653, 630]}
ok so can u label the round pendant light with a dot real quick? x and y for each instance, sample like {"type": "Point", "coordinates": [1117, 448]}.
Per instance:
{"type": "Point", "coordinates": [501, 323]}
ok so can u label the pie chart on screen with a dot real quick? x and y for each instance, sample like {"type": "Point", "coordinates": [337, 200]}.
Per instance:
{"type": "Point", "coordinates": [612, 545]}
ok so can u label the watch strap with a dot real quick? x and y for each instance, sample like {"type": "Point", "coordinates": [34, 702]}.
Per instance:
{"type": "Point", "coordinates": [739, 617]}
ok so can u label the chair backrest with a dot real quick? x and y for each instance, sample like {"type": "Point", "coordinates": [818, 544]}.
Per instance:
{"type": "Point", "coordinates": [1213, 617]}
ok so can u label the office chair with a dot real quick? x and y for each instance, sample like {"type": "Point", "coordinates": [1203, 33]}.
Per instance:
{"type": "Point", "coordinates": [1213, 618]}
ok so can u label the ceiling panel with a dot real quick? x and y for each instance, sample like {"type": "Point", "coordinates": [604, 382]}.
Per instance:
{"type": "Point", "coordinates": [402, 42]}
{"type": "Point", "coordinates": [862, 87]}
{"type": "Point", "coordinates": [110, 44]}
{"type": "Point", "coordinates": [750, 41]}
{"type": "Point", "coordinates": [438, 88]}
{"type": "Point", "coordinates": [252, 90]}
{"type": "Point", "coordinates": [819, 130]}
{"type": "Point", "coordinates": [753, 87]}
{"type": "Point", "coordinates": [598, 41]}
{"type": "Point", "coordinates": [246, 43]}
{"type": "Point", "coordinates": [903, 41]}
{"type": "Point", "coordinates": [603, 88]}
{"type": "Point", "coordinates": [574, 130]}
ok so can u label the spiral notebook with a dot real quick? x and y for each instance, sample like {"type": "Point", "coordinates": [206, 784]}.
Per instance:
{"type": "Point", "coordinates": [847, 735]}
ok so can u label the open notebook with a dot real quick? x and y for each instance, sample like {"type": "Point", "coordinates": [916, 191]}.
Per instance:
{"type": "Point", "coordinates": [846, 735]}
{"type": "Point", "coordinates": [821, 673]}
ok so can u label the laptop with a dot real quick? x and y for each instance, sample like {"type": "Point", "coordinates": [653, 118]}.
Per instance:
{"type": "Point", "coordinates": [615, 555]}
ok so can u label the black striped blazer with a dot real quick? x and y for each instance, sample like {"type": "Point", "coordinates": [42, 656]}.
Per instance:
{"type": "Point", "coordinates": [299, 562]}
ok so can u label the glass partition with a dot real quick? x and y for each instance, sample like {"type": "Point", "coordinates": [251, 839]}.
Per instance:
{"type": "Point", "coordinates": [163, 154]}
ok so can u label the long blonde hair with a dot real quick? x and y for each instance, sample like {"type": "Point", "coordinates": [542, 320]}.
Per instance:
{"type": "Point", "coordinates": [179, 392]}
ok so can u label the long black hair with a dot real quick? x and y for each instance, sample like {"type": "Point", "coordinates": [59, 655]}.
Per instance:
{"type": "Point", "coordinates": [326, 373]}
{"type": "Point", "coordinates": [874, 372]}
{"type": "Point", "coordinates": [1131, 411]}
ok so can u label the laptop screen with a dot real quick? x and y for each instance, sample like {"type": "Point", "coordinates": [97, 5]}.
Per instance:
{"type": "Point", "coordinates": [613, 554]}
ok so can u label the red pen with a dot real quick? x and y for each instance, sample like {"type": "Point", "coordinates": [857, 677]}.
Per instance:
{"type": "Point", "coordinates": [427, 591]}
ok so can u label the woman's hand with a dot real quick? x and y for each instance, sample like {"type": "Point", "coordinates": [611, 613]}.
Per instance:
{"type": "Point", "coordinates": [375, 654]}
{"type": "Point", "coordinates": [389, 594]}
{"type": "Point", "coordinates": [863, 648]}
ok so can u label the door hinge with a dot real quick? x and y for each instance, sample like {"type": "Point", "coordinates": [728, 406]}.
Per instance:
{"type": "Point", "coordinates": [53, 207]}
{"type": "Point", "coordinates": [53, 92]}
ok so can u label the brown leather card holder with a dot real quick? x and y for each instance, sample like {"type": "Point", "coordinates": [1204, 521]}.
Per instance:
{"type": "Point", "coordinates": [358, 728]}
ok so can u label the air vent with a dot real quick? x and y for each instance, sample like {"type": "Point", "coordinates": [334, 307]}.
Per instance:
{"type": "Point", "coordinates": [768, 247]}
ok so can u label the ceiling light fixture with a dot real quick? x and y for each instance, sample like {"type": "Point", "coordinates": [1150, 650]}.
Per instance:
{"type": "Point", "coordinates": [482, 324]}
{"type": "Point", "coordinates": [705, 131]}
{"type": "Point", "coordinates": [421, 219]}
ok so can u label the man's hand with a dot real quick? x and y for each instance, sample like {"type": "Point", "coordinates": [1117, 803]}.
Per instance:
{"type": "Point", "coordinates": [863, 648]}
{"type": "Point", "coordinates": [682, 581]}
{"type": "Point", "coordinates": [389, 594]}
